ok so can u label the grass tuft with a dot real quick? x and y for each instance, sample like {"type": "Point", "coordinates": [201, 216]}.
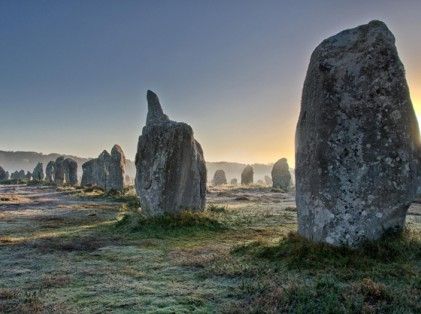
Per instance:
{"type": "Point", "coordinates": [300, 253]}
{"type": "Point", "coordinates": [217, 208]}
{"type": "Point", "coordinates": [185, 222]}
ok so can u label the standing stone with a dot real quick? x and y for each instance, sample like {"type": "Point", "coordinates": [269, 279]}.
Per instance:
{"type": "Point", "coordinates": [21, 174]}
{"type": "Point", "coordinates": [116, 169]}
{"type": "Point", "coordinates": [38, 172]}
{"type": "Point", "coordinates": [268, 180]}
{"type": "Point", "coordinates": [49, 171]}
{"type": "Point", "coordinates": [281, 176]}
{"type": "Point", "coordinates": [170, 168]}
{"type": "Point", "coordinates": [247, 175]}
{"type": "Point", "coordinates": [234, 181]}
{"type": "Point", "coordinates": [4, 175]}
{"type": "Point", "coordinates": [59, 170]}
{"type": "Point", "coordinates": [357, 139]}
{"type": "Point", "coordinates": [18, 175]}
{"type": "Point", "coordinates": [28, 175]}
{"type": "Point", "coordinates": [107, 171]}
{"type": "Point", "coordinates": [70, 171]}
{"type": "Point", "coordinates": [219, 177]}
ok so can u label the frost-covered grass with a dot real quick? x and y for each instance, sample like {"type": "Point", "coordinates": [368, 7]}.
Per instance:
{"type": "Point", "coordinates": [92, 252]}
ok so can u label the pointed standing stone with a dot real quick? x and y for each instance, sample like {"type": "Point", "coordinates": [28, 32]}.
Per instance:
{"type": "Point", "coordinates": [170, 168]}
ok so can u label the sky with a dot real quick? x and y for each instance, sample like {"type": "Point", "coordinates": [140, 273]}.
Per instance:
{"type": "Point", "coordinates": [74, 74]}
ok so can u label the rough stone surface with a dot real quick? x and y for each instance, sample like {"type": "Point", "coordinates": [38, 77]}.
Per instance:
{"type": "Point", "coordinates": [219, 177]}
{"type": "Point", "coordinates": [234, 181]}
{"type": "Point", "coordinates": [59, 170]}
{"type": "Point", "coordinates": [357, 139]}
{"type": "Point", "coordinates": [107, 171]}
{"type": "Point", "coordinates": [49, 171]}
{"type": "Point", "coordinates": [247, 175]}
{"type": "Point", "coordinates": [281, 177]}
{"type": "Point", "coordinates": [170, 168]}
{"type": "Point", "coordinates": [3, 174]}
{"type": "Point", "coordinates": [70, 171]}
{"type": "Point", "coordinates": [38, 172]}
{"type": "Point", "coordinates": [18, 175]}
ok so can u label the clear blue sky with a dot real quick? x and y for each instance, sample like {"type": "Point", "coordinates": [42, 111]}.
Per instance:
{"type": "Point", "coordinates": [74, 74]}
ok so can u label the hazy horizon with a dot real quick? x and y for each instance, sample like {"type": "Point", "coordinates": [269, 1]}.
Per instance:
{"type": "Point", "coordinates": [75, 74]}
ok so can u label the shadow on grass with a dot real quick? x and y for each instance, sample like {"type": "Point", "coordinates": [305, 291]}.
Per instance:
{"type": "Point", "coordinates": [180, 224]}
{"type": "Point", "coordinates": [297, 275]}
{"type": "Point", "coordinates": [300, 253]}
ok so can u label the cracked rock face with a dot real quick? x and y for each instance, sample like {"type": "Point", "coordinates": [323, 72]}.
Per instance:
{"type": "Point", "coordinates": [107, 171]}
{"type": "Point", "coordinates": [281, 177]}
{"type": "Point", "coordinates": [170, 167]}
{"type": "Point", "coordinates": [247, 175]}
{"type": "Point", "coordinates": [219, 177]}
{"type": "Point", "coordinates": [38, 172]}
{"type": "Point", "coordinates": [357, 139]}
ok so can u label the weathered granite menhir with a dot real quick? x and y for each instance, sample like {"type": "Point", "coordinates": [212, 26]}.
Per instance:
{"type": "Point", "coordinates": [64, 171]}
{"type": "Point", "coordinates": [107, 171]}
{"type": "Point", "coordinates": [219, 177]}
{"type": "Point", "coordinates": [170, 168]}
{"type": "Point", "coordinates": [38, 172]}
{"type": "Point", "coordinates": [281, 177]}
{"type": "Point", "coordinates": [247, 175]}
{"type": "Point", "coordinates": [357, 139]}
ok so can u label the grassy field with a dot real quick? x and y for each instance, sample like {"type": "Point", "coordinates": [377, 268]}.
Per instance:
{"type": "Point", "coordinates": [81, 251]}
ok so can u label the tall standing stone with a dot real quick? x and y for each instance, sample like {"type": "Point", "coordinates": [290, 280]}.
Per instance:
{"type": "Point", "coordinates": [59, 170]}
{"type": "Point", "coordinates": [117, 169]}
{"type": "Point", "coordinates": [70, 171]}
{"type": "Point", "coordinates": [49, 171]}
{"type": "Point", "coordinates": [170, 168]}
{"type": "Point", "coordinates": [247, 175]}
{"type": "Point", "coordinates": [357, 139]}
{"type": "Point", "coordinates": [219, 177]}
{"type": "Point", "coordinates": [38, 172]}
{"type": "Point", "coordinates": [281, 177]}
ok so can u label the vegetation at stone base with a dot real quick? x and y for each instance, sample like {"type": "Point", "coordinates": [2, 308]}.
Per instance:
{"type": "Point", "coordinates": [183, 223]}
{"type": "Point", "coordinates": [383, 276]}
